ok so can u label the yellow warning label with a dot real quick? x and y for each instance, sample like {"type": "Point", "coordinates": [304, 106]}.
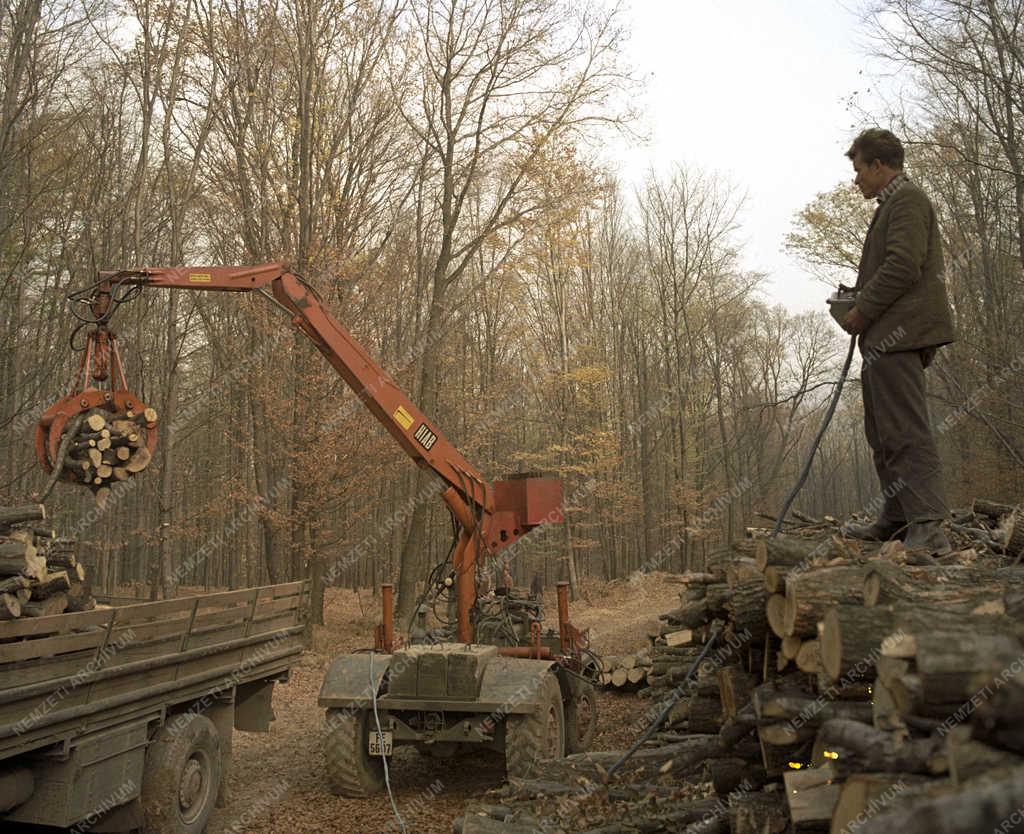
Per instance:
{"type": "Point", "coordinates": [199, 277]}
{"type": "Point", "coordinates": [403, 417]}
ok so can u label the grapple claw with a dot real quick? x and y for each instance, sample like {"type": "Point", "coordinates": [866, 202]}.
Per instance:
{"type": "Point", "coordinates": [50, 429]}
{"type": "Point", "coordinates": [119, 432]}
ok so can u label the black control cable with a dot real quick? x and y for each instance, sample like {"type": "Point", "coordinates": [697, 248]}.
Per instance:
{"type": "Point", "coordinates": [799, 485]}
{"type": "Point", "coordinates": [677, 695]}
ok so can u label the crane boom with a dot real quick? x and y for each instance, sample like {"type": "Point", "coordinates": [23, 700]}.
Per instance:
{"type": "Point", "coordinates": [491, 515]}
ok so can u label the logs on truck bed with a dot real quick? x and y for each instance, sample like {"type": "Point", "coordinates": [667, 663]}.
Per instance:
{"type": "Point", "coordinates": [54, 604]}
{"type": "Point", "coordinates": [39, 574]}
{"type": "Point", "coordinates": [19, 557]}
{"type": "Point", "coordinates": [10, 607]}
{"type": "Point", "coordinates": [54, 582]}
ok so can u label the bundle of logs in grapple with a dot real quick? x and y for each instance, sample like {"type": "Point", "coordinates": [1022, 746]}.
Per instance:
{"type": "Point", "coordinates": [853, 687]}
{"type": "Point", "coordinates": [107, 448]}
{"type": "Point", "coordinates": [39, 572]}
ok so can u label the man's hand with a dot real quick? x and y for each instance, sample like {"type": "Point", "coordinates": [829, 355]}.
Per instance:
{"type": "Point", "coordinates": [854, 322]}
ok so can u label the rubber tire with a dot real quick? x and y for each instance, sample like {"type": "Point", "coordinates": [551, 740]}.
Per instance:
{"type": "Point", "coordinates": [580, 718]}
{"type": "Point", "coordinates": [351, 770]}
{"type": "Point", "coordinates": [183, 739]}
{"type": "Point", "coordinates": [538, 735]}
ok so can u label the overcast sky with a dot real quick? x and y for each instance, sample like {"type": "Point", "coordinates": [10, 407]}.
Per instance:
{"type": "Point", "coordinates": [755, 90]}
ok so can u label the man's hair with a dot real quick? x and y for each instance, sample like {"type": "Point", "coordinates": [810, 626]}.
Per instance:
{"type": "Point", "coordinates": [878, 143]}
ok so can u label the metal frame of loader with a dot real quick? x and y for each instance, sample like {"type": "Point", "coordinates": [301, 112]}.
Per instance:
{"type": "Point", "coordinates": [440, 694]}
{"type": "Point", "coordinates": [532, 701]}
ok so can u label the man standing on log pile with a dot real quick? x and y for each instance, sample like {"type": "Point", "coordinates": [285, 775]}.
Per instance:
{"type": "Point", "coordinates": [902, 316]}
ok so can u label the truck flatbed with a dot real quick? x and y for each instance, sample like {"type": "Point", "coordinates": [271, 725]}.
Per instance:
{"type": "Point", "coordinates": [95, 689]}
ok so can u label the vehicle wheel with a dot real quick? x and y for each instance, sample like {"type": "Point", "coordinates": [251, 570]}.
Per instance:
{"type": "Point", "coordinates": [181, 776]}
{"type": "Point", "coordinates": [581, 719]}
{"type": "Point", "coordinates": [539, 735]}
{"type": "Point", "coordinates": [351, 770]}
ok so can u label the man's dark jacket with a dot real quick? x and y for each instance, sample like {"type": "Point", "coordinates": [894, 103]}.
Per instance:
{"type": "Point", "coordinates": [899, 283]}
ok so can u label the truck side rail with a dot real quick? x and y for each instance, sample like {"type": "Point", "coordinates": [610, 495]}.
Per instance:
{"type": "Point", "coordinates": [64, 675]}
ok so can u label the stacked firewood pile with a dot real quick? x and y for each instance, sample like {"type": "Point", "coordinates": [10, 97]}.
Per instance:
{"type": "Point", "coordinates": [852, 686]}
{"type": "Point", "coordinates": [39, 572]}
{"type": "Point", "coordinates": [101, 448]}
{"type": "Point", "coordinates": [627, 671]}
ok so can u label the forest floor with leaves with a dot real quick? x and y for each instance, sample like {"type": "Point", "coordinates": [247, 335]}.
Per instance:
{"type": "Point", "coordinates": [278, 783]}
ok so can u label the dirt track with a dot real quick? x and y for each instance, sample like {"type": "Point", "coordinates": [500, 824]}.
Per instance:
{"type": "Point", "coordinates": [277, 784]}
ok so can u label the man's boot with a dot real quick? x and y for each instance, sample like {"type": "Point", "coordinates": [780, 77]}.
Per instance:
{"type": "Point", "coordinates": [880, 530]}
{"type": "Point", "coordinates": [929, 537]}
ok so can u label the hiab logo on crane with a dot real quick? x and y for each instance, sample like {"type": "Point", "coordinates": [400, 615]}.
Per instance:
{"type": "Point", "coordinates": [425, 436]}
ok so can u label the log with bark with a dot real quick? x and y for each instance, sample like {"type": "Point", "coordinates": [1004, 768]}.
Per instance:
{"type": "Point", "coordinates": [56, 603]}
{"type": "Point", "coordinates": [775, 614]}
{"type": "Point", "coordinates": [10, 606]}
{"type": "Point", "coordinates": [854, 745]}
{"type": "Point", "coordinates": [705, 707]}
{"type": "Point", "coordinates": [999, 718]}
{"type": "Point", "coordinates": [746, 609]}
{"type": "Point", "coordinates": [946, 587]}
{"type": "Point", "coordinates": [735, 686]}
{"type": "Point", "coordinates": [810, 594]}
{"type": "Point", "coordinates": [626, 671]}
{"type": "Point", "coordinates": [851, 639]}
{"type": "Point", "coordinates": [18, 556]}
{"type": "Point", "coordinates": [53, 582]}
{"type": "Point", "coordinates": [794, 552]}
{"type": "Point", "coordinates": [992, 509]}
{"type": "Point", "coordinates": [10, 516]}
{"type": "Point", "coordinates": [989, 802]}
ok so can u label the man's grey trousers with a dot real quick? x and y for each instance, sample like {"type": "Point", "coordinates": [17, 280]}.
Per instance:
{"type": "Point", "coordinates": [900, 436]}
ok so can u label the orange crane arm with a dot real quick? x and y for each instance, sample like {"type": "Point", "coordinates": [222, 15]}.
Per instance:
{"type": "Point", "coordinates": [491, 515]}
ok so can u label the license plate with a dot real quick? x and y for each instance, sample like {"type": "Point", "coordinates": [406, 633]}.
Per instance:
{"type": "Point", "coordinates": [380, 744]}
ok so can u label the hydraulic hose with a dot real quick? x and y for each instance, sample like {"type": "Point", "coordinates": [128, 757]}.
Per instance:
{"type": "Point", "coordinates": [793, 493]}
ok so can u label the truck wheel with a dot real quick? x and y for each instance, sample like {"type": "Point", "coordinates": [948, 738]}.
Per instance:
{"type": "Point", "coordinates": [351, 770]}
{"type": "Point", "coordinates": [181, 776]}
{"type": "Point", "coordinates": [581, 719]}
{"type": "Point", "coordinates": [538, 735]}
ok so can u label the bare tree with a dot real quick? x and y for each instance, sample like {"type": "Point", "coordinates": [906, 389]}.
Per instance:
{"type": "Point", "coordinates": [501, 82]}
